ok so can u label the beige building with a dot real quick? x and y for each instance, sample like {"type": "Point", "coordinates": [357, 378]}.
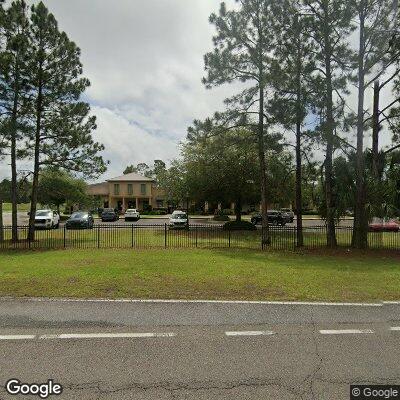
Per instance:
{"type": "Point", "coordinates": [129, 191]}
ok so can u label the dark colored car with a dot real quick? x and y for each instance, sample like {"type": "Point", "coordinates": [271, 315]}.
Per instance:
{"type": "Point", "coordinates": [80, 220]}
{"type": "Point", "coordinates": [274, 218]}
{"type": "Point", "coordinates": [288, 213]}
{"type": "Point", "coordinates": [109, 214]}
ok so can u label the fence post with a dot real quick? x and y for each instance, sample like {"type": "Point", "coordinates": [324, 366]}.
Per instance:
{"type": "Point", "coordinates": [133, 226]}
{"type": "Point", "coordinates": [262, 237]}
{"type": "Point", "coordinates": [98, 236]}
{"type": "Point", "coordinates": [196, 233]}
{"type": "Point", "coordinates": [64, 234]}
{"type": "Point", "coordinates": [165, 235]}
{"type": "Point", "coordinates": [229, 237]}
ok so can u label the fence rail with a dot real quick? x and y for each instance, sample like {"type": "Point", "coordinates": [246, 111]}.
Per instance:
{"type": "Point", "coordinates": [197, 236]}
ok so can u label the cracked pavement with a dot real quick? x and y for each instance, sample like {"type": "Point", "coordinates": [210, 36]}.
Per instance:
{"type": "Point", "coordinates": [200, 362]}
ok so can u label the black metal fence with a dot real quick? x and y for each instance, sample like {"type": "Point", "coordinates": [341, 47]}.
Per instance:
{"type": "Point", "coordinates": [197, 236]}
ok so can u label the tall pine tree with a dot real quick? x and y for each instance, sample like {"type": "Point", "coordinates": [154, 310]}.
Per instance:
{"type": "Point", "coordinates": [242, 53]}
{"type": "Point", "coordinates": [375, 21]}
{"type": "Point", "coordinates": [330, 27]}
{"type": "Point", "coordinates": [13, 89]}
{"type": "Point", "coordinates": [62, 123]}
{"type": "Point", "coordinates": [292, 78]}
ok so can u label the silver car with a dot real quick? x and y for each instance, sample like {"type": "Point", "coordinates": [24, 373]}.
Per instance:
{"type": "Point", "coordinates": [179, 220]}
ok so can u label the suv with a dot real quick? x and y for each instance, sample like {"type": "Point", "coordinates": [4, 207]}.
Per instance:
{"type": "Point", "coordinates": [288, 213]}
{"type": "Point", "coordinates": [47, 219]}
{"type": "Point", "coordinates": [109, 214]}
{"type": "Point", "coordinates": [132, 214]}
{"type": "Point", "coordinates": [179, 220]}
{"type": "Point", "coordinates": [274, 218]}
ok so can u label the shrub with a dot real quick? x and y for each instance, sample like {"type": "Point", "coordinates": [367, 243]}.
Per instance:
{"type": "Point", "coordinates": [221, 218]}
{"type": "Point", "coordinates": [227, 211]}
{"type": "Point", "coordinates": [310, 212]}
{"type": "Point", "coordinates": [158, 212]}
{"type": "Point", "coordinates": [239, 226]}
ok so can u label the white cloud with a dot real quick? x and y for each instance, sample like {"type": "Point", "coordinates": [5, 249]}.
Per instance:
{"type": "Point", "coordinates": [127, 143]}
{"type": "Point", "coordinates": [145, 63]}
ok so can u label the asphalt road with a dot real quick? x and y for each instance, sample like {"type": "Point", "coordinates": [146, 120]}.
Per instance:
{"type": "Point", "coordinates": [206, 351]}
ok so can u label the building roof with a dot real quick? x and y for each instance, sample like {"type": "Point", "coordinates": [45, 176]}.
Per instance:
{"type": "Point", "coordinates": [131, 177]}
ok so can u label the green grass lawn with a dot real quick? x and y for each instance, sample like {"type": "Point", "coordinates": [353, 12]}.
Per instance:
{"type": "Point", "coordinates": [201, 274]}
{"type": "Point", "coordinates": [21, 207]}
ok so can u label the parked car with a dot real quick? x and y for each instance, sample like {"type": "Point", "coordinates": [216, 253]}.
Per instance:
{"type": "Point", "coordinates": [47, 219]}
{"type": "Point", "coordinates": [274, 218]}
{"type": "Point", "coordinates": [109, 214]}
{"type": "Point", "coordinates": [80, 220]}
{"type": "Point", "coordinates": [179, 220]}
{"type": "Point", "coordinates": [132, 214]}
{"type": "Point", "coordinates": [380, 225]}
{"type": "Point", "coordinates": [288, 213]}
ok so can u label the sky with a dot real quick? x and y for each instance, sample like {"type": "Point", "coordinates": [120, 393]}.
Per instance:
{"type": "Point", "coordinates": [144, 59]}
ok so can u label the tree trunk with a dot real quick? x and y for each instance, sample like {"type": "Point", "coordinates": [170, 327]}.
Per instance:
{"type": "Point", "coordinates": [35, 183]}
{"type": "Point", "coordinates": [261, 154]}
{"type": "Point", "coordinates": [330, 207]}
{"type": "Point", "coordinates": [375, 133]}
{"type": "Point", "coordinates": [13, 151]}
{"type": "Point", "coordinates": [238, 209]}
{"type": "Point", "coordinates": [299, 120]}
{"type": "Point", "coordinates": [1, 221]}
{"type": "Point", "coordinates": [360, 228]}
{"type": "Point", "coordinates": [14, 195]}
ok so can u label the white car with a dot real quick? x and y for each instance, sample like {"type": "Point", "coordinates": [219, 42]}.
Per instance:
{"type": "Point", "coordinates": [47, 219]}
{"type": "Point", "coordinates": [132, 215]}
{"type": "Point", "coordinates": [179, 220]}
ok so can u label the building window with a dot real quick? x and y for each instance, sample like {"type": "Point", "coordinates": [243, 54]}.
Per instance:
{"type": "Point", "coordinates": [143, 188]}
{"type": "Point", "coordinates": [116, 189]}
{"type": "Point", "coordinates": [130, 188]}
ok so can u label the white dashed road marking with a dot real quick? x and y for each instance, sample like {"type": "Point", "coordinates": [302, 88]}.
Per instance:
{"type": "Point", "coordinates": [17, 337]}
{"type": "Point", "coordinates": [345, 331]}
{"type": "Point", "coordinates": [106, 335]}
{"type": "Point", "coordinates": [249, 333]}
{"type": "Point", "coordinates": [139, 335]}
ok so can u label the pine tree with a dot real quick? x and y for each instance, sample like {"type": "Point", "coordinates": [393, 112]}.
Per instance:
{"type": "Point", "coordinates": [13, 89]}
{"type": "Point", "coordinates": [375, 21]}
{"type": "Point", "coordinates": [62, 123]}
{"type": "Point", "coordinates": [242, 53]}
{"type": "Point", "coordinates": [331, 25]}
{"type": "Point", "coordinates": [292, 75]}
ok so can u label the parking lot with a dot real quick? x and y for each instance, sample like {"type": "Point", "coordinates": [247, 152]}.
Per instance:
{"type": "Point", "coordinates": [23, 219]}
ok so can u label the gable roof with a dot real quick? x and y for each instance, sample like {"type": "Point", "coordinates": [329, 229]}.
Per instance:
{"type": "Point", "coordinates": [131, 177]}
